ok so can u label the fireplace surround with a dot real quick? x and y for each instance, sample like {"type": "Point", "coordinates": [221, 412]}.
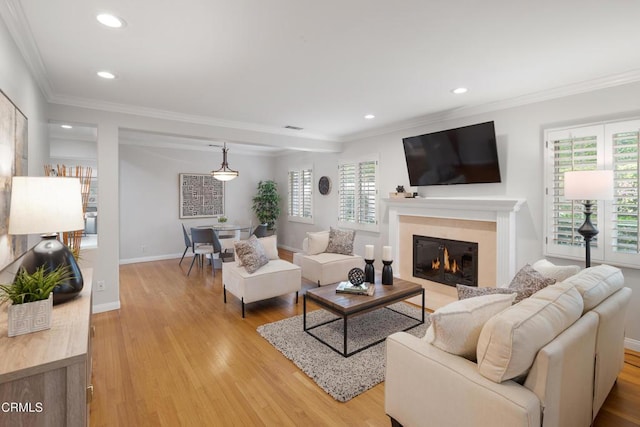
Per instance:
{"type": "Point", "coordinates": [487, 220]}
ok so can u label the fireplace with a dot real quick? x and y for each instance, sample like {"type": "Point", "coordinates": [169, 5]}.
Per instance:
{"type": "Point", "coordinates": [445, 261]}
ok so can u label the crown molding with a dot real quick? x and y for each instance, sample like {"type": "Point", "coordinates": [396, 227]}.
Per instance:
{"type": "Point", "coordinates": [16, 22]}
{"type": "Point", "coordinates": [532, 98]}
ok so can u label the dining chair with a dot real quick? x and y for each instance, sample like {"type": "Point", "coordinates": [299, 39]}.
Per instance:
{"type": "Point", "coordinates": [260, 231]}
{"type": "Point", "coordinates": [204, 242]}
{"type": "Point", "coordinates": [187, 243]}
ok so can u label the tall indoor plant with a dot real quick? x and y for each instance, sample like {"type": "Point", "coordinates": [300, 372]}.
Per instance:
{"type": "Point", "coordinates": [266, 203]}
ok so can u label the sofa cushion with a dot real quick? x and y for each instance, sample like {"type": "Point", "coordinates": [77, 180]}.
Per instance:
{"type": "Point", "coordinates": [465, 291]}
{"type": "Point", "coordinates": [455, 328]}
{"type": "Point", "coordinates": [270, 246]}
{"type": "Point", "coordinates": [596, 284]}
{"type": "Point", "coordinates": [317, 242]}
{"type": "Point", "coordinates": [510, 340]}
{"type": "Point", "coordinates": [251, 253]}
{"type": "Point", "coordinates": [340, 241]}
{"type": "Point", "coordinates": [558, 272]}
{"type": "Point", "coordinates": [528, 281]}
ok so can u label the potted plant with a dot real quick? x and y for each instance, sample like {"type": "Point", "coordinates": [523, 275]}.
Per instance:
{"type": "Point", "coordinates": [222, 219]}
{"type": "Point", "coordinates": [266, 203]}
{"type": "Point", "coordinates": [31, 297]}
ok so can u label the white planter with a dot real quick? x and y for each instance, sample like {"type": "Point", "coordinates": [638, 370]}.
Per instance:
{"type": "Point", "coordinates": [30, 317]}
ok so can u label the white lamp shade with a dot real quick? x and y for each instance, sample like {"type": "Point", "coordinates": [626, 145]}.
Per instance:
{"type": "Point", "coordinates": [588, 185]}
{"type": "Point", "coordinates": [45, 205]}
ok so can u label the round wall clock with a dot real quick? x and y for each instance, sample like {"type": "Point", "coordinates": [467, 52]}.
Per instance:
{"type": "Point", "coordinates": [324, 185]}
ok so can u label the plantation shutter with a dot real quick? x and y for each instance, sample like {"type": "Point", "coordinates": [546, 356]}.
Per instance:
{"type": "Point", "coordinates": [570, 150]}
{"type": "Point", "coordinates": [300, 205]}
{"type": "Point", "coordinates": [612, 146]}
{"type": "Point", "coordinates": [358, 195]}
{"type": "Point", "coordinates": [368, 193]}
{"type": "Point", "coordinates": [347, 193]}
{"type": "Point", "coordinates": [624, 224]}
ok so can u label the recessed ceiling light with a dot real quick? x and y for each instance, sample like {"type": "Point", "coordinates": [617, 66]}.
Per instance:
{"type": "Point", "coordinates": [459, 90]}
{"type": "Point", "coordinates": [66, 126]}
{"type": "Point", "coordinates": [106, 75]}
{"type": "Point", "coordinates": [110, 21]}
{"type": "Point", "coordinates": [369, 116]}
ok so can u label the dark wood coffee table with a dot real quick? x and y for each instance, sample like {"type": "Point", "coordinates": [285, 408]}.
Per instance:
{"type": "Point", "coordinates": [348, 305]}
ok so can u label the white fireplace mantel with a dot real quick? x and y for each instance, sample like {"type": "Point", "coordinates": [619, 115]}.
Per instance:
{"type": "Point", "coordinates": [502, 211]}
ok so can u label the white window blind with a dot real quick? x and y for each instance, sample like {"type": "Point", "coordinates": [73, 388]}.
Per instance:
{"type": "Point", "coordinates": [358, 195]}
{"type": "Point", "coordinates": [300, 206]}
{"type": "Point", "coordinates": [603, 146]}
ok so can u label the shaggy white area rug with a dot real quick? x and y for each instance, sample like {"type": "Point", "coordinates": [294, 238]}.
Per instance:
{"type": "Point", "coordinates": [343, 378]}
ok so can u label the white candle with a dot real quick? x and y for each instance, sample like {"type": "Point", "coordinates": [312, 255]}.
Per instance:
{"type": "Point", "coordinates": [386, 253]}
{"type": "Point", "coordinates": [368, 252]}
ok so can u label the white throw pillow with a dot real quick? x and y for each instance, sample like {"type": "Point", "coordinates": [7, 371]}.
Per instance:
{"type": "Point", "coordinates": [509, 341]}
{"type": "Point", "coordinates": [596, 284]}
{"type": "Point", "coordinates": [455, 328]}
{"type": "Point", "coordinates": [558, 272]}
{"type": "Point", "coordinates": [317, 242]}
{"type": "Point", "coordinates": [270, 246]}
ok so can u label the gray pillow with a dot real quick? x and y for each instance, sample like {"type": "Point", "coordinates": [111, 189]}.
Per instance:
{"type": "Point", "coordinates": [465, 291]}
{"type": "Point", "coordinates": [340, 241]}
{"type": "Point", "coordinates": [251, 254]}
{"type": "Point", "coordinates": [528, 281]}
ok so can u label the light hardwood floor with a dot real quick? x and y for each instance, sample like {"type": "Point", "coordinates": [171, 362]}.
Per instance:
{"type": "Point", "coordinates": [175, 354]}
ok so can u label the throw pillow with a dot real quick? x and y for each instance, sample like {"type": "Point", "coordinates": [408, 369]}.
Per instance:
{"type": "Point", "coordinates": [528, 281]}
{"type": "Point", "coordinates": [455, 328]}
{"type": "Point", "coordinates": [558, 272]}
{"type": "Point", "coordinates": [270, 246]}
{"type": "Point", "coordinates": [596, 284]}
{"type": "Point", "coordinates": [465, 291]}
{"type": "Point", "coordinates": [317, 242]}
{"type": "Point", "coordinates": [251, 254]}
{"type": "Point", "coordinates": [510, 340]}
{"type": "Point", "coordinates": [341, 241]}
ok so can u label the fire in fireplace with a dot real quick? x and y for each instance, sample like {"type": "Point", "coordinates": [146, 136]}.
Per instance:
{"type": "Point", "coordinates": [445, 261]}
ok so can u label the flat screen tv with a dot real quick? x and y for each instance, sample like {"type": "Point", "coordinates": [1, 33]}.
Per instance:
{"type": "Point", "coordinates": [464, 155]}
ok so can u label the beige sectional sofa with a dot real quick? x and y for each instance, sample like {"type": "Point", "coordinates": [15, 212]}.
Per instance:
{"type": "Point", "coordinates": [320, 266]}
{"type": "Point", "coordinates": [520, 377]}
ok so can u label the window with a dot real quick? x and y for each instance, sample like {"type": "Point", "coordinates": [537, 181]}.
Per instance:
{"type": "Point", "coordinates": [300, 204]}
{"type": "Point", "coordinates": [358, 194]}
{"type": "Point", "coordinates": [611, 146]}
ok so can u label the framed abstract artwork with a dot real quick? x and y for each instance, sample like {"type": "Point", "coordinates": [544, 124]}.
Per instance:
{"type": "Point", "coordinates": [13, 162]}
{"type": "Point", "coordinates": [201, 196]}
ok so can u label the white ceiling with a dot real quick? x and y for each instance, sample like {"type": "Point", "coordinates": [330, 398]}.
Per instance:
{"type": "Point", "coordinates": [323, 65]}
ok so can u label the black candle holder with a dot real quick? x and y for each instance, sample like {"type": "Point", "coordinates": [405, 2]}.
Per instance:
{"type": "Point", "coordinates": [387, 273]}
{"type": "Point", "coordinates": [369, 271]}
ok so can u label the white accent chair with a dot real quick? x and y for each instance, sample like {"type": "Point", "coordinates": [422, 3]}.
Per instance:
{"type": "Point", "coordinates": [322, 267]}
{"type": "Point", "coordinates": [276, 278]}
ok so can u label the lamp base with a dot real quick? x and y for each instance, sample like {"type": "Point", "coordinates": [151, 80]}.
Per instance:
{"type": "Point", "coordinates": [52, 253]}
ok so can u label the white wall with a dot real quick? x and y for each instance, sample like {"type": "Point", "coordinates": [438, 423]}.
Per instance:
{"type": "Point", "coordinates": [18, 84]}
{"type": "Point", "coordinates": [149, 198]}
{"type": "Point", "coordinates": [520, 148]}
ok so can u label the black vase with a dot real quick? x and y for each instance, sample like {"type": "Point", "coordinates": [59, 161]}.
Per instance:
{"type": "Point", "coordinates": [52, 253]}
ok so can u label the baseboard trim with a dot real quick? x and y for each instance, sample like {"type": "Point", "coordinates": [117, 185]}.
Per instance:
{"type": "Point", "coordinates": [152, 258]}
{"type": "Point", "coordinates": [632, 344]}
{"type": "Point", "coordinates": [290, 249]}
{"type": "Point", "coordinates": [101, 308]}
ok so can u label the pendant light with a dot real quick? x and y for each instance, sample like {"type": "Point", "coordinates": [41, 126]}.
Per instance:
{"type": "Point", "coordinates": [224, 173]}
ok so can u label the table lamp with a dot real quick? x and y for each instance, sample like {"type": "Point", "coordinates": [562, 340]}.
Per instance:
{"type": "Point", "coordinates": [588, 186]}
{"type": "Point", "coordinates": [48, 205]}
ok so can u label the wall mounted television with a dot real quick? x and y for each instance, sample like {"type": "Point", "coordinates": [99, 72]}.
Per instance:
{"type": "Point", "coordinates": [464, 155]}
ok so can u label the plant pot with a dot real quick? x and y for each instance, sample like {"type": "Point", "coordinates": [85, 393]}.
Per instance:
{"type": "Point", "coordinates": [30, 317]}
